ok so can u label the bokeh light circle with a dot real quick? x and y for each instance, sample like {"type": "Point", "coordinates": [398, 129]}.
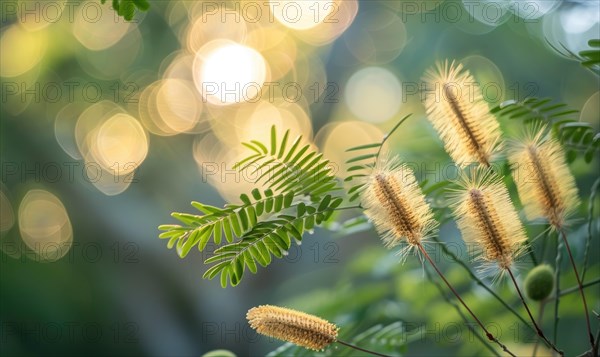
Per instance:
{"type": "Point", "coordinates": [44, 225]}
{"type": "Point", "coordinates": [215, 23]}
{"type": "Point", "coordinates": [98, 27]}
{"type": "Point", "coordinates": [226, 72]}
{"type": "Point", "coordinates": [302, 15]}
{"type": "Point", "coordinates": [334, 139]}
{"type": "Point", "coordinates": [20, 50]}
{"type": "Point", "coordinates": [373, 94]}
{"type": "Point", "coordinates": [121, 144]}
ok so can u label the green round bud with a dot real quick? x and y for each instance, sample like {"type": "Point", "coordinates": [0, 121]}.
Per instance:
{"type": "Point", "coordinates": [219, 353]}
{"type": "Point", "coordinates": [539, 282]}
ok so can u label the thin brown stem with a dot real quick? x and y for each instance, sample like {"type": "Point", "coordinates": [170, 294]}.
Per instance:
{"type": "Point", "coordinates": [540, 319]}
{"type": "Point", "coordinates": [587, 316]}
{"type": "Point", "coordinates": [487, 333]}
{"type": "Point", "coordinates": [537, 328]}
{"type": "Point", "coordinates": [361, 349]}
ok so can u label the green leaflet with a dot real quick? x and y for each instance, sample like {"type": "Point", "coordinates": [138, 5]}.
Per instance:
{"type": "Point", "coordinates": [126, 8]}
{"type": "Point", "coordinates": [231, 221]}
{"type": "Point", "coordinates": [294, 167]}
{"type": "Point", "coordinates": [267, 239]}
{"type": "Point", "coordinates": [301, 195]}
{"type": "Point", "coordinates": [366, 160]}
{"type": "Point", "coordinates": [589, 59]}
{"type": "Point", "coordinates": [577, 137]}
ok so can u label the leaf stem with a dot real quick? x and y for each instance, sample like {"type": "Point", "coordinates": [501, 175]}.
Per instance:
{"type": "Point", "coordinates": [537, 328]}
{"type": "Point", "coordinates": [461, 314]}
{"type": "Point", "coordinates": [595, 188]}
{"type": "Point", "coordinates": [480, 283]}
{"type": "Point", "coordinates": [585, 307]}
{"type": "Point", "coordinates": [540, 319]}
{"type": "Point", "coordinates": [387, 136]}
{"type": "Point", "coordinates": [559, 245]}
{"type": "Point", "coordinates": [487, 333]}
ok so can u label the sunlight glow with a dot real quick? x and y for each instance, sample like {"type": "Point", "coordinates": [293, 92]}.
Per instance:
{"type": "Point", "coordinates": [226, 72]}
{"type": "Point", "coordinates": [302, 15]}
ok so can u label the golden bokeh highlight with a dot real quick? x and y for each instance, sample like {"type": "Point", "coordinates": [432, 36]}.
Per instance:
{"type": "Point", "coordinates": [172, 106]}
{"type": "Point", "coordinates": [178, 65]}
{"type": "Point", "coordinates": [373, 94]}
{"type": "Point", "coordinates": [178, 105]}
{"type": "Point", "coordinates": [254, 123]}
{"type": "Point", "coordinates": [278, 49]}
{"type": "Point", "coordinates": [112, 144]}
{"type": "Point", "coordinates": [44, 225]}
{"type": "Point", "coordinates": [88, 123]}
{"type": "Point", "coordinates": [215, 162]}
{"type": "Point", "coordinates": [20, 50]}
{"type": "Point", "coordinates": [303, 15]}
{"type": "Point", "coordinates": [214, 23]}
{"type": "Point", "coordinates": [340, 15]}
{"type": "Point", "coordinates": [121, 144]}
{"type": "Point", "coordinates": [335, 138]}
{"type": "Point", "coordinates": [228, 73]}
{"type": "Point", "coordinates": [98, 27]}
{"type": "Point", "coordinates": [106, 181]}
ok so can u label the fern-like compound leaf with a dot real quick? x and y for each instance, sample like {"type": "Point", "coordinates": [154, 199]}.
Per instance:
{"type": "Point", "coordinates": [230, 222]}
{"type": "Point", "coordinates": [267, 239]}
{"type": "Point", "coordinates": [577, 137]}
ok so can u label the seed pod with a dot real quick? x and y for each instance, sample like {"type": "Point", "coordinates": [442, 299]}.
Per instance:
{"type": "Point", "coordinates": [539, 282]}
{"type": "Point", "coordinates": [486, 216]}
{"type": "Point", "coordinates": [545, 185]}
{"type": "Point", "coordinates": [394, 202]}
{"type": "Point", "coordinates": [459, 113]}
{"type": "Point", "coordinates": [293, 326]}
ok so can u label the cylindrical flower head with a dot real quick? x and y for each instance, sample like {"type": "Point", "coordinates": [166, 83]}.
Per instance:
{"type": "Point", "coordinates": [395, 203]}
{"type": "Point", "coordinates": [486, 216]}
{"type": "Point", "coordinates": [292, 326]}
{"type": "Point", "coordinates": [460, 115]}
{"type": "Point", "coordinates": [545, 185]}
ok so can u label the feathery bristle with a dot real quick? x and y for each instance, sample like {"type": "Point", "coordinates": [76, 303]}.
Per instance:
{"type": "Point", "coordinates": [293, 326]}
{"type": "Point", "coordinates": [485, 216]}
{"type": "Point", "coordinates": [545, 185]}
{"type": "Point", "coordinates": [394, 202]}
{"type": "Point", "coordinates": [460, 115]}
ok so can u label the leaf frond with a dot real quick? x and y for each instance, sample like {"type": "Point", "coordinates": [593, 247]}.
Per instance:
{"type": "Point", "coordinates": [577, 137]}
